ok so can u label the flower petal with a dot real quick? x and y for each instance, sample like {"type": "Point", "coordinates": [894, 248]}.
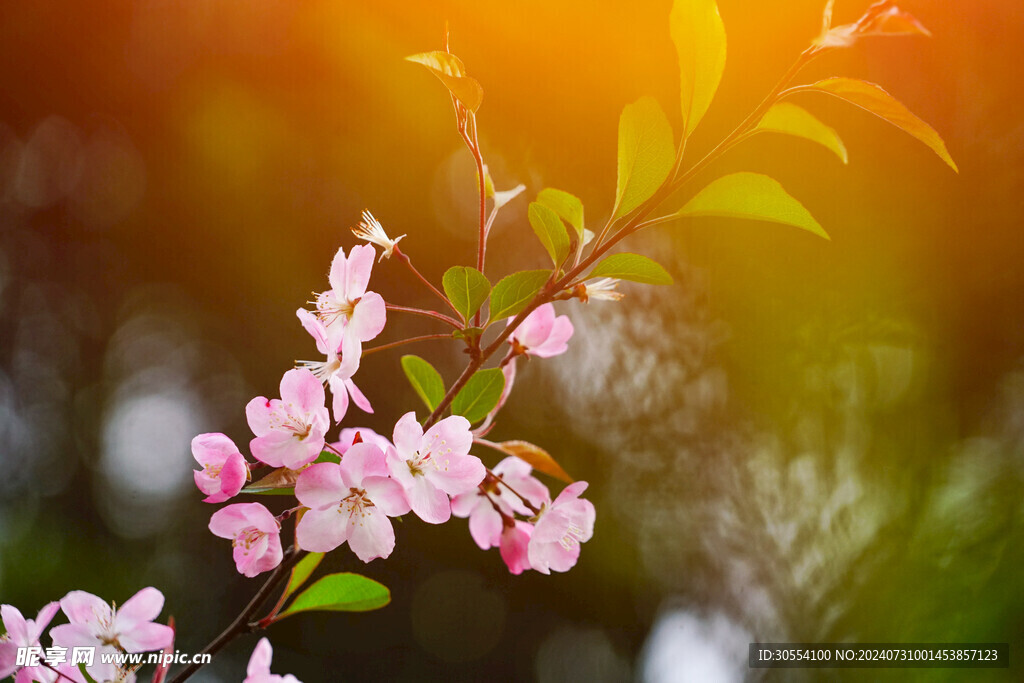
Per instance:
{"type": "Point", "coordinates": [320, 485]}
{"type": "Point", "coordinates": [485, 526]}
{"type": "Point", "coordinates": [321, 531]}
{"type": "Point", "coordinates": [362, 460]}
{"type": "Point", "coordinates": [371, 535]}
{"type": "Point", "coordinates": [388, 495]}
{"type": "Point", "coordinates": [84, 608]}
{"type": "Point", "coordinates": [369, 317]}
{"type": "Point", "coordinates": [301, 390]}
{"type": "Point", "coordinates": [259, 662]}
{"type": "Point", "coordinates": [455, 474]}
{"type": "Point", "coordinates": [407, 435]}
{"type": "Point", "coordinates": [357, 397]}
{"type": "Point", "coordinates": [143, 606]}
{"type": "Point", "coordinates": [428, 502]}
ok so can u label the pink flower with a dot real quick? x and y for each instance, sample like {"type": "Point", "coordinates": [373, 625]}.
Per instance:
{"type": "Point", "coordinates": [342, 362]}
{"type": "Point", "coordinates": [130, 628]}
{"type": "Point", "coordinates": [258, 670]}
{"type": "Point", "coordinates": [485, 522]}
{"type": "Point", "coordinates": [434, 465]}
{"type": "Point", "coordinates": [290, 430]}
{"type": "Point", "coordinates": [22, 632]}
{"type": "Point", "coordinates": [347, 310]}
{"type": "Point", "coordinates": [255, 536]}
{"type": "Point", "coordinates": [350, 501]}
{"type": "Point", "coordinates": [560, 529]}
{"type": "Point", "coordinates": [224, 468]}
{"type": "Point", "coordinates": [514, 546]}
{"type": "Point", "coordinates": [347, 437]}
{"type": "Point", "coordinates": [541, 334]}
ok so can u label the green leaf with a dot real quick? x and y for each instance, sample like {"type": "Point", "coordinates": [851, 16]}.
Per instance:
{"type": "Point", "coordinates": [512, 293]}
{"type": "Point", "coordinates": [481, 393]}
{"type": "Point", "coordinates": [646, 154]}
{"type": "Point", "coordinates": [751, 195]}
{"type": "Point", "coordinates": [345, 592]}
{"type": "Point", "coordinates": [467, 289]}
{"type": "Point", "coordinates": [550, 231]}
{"type": "Point", "coordinates": [450, 70]}
{"type": "Point", "coordinates": [699, 36]}
{"type": "Point", "coordinates": [302, 571]}
{"type": "Point", "coordinates": [327, 456]}
{"type": "Point", "coordinates": [424, 379]}
{"type": "Point", "coordinates": [633, 267]}
{"type": "Point", "coordinates": [790, 119]}
{"type": "Point", "coordinates": [568, 207]}
{"type": "Point", "coordinates": [874, 99]}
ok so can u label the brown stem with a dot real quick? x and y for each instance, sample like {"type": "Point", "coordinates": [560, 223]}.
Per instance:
{"type": "Point", "coordinates": [427, 314]}
{"type": "Point", "coordinates": [241, 623]}
{"type": "Point", "coordinates": [404, 258]}
{"type": "Point", "coordinates": [401, 342]}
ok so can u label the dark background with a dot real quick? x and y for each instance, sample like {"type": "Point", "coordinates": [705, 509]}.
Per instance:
{"type": "Point", "coordinates": [799, 441]}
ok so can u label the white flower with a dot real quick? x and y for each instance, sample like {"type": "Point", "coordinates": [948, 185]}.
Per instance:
{"type": "Point", "coordinates": [372, 231]}
{"type": "Point", "coordinates": [602, 289]}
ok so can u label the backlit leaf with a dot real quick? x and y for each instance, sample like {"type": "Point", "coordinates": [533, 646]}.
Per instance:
{"type": "Point", "coordinates": [481, 393]}
{"type": "Point", "coordinates": [425, 380]}
{"type": "Point", "coordinates": [550, 231]}
{"type": "Point", "coordinates": [345, 592]}
{"type": "Point", "coordinates": [874, 99]}
{"type": "Point", "coordinates": [633, 267]}
{"type": "Point", "coordinates": [568, 207]}
{"type": "Point", "coordinates": [699, 36]}
{"type": "Point", "coordinates": [646, 154]}
{"type": "Point", "coordinates": [790, 119]}
{"type": "Point", "coordinates": [466, 288]}
{"type": "Point", "coordinates": [537, 457]}
{"type": "Point", "coordinates": [751, 195]}
{"type": "Point", "coordinates": [451, 71]}
{"type": "Point", "coordinates": [512, 293]}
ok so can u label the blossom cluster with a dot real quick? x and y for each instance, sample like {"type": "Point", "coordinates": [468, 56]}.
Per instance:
{"type": "Point", "coordinates": [348, 490]}
{"type": "Point", "coordinates": [92, 623]}
{"type": "Point", "coordinates": [103, 630]}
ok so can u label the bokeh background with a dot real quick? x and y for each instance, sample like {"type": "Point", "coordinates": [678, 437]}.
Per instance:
{"type": "Point", "coordinates": [798, 441]}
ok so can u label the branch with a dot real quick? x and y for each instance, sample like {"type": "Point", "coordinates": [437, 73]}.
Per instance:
{"type": "Point", "coordinates": [241, 623]}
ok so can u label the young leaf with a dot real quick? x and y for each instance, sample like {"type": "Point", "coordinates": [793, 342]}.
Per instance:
{"type": "Point", "coordinates": [503, 197]}
{"type": "Point", "coordinates": [633, 267]}
{"type": "Point", "coordinates": [790, 119]}
{"type": "Point", "coordinates": [537, 457]}
{"type": "Point", "coordinates": [874, 99]}
{"type": "Point", "coordinates": [345, 592]}
{"type": "Point", "coordinates": [512, 293]}
{"type": "Point", "coordinates": [302, 571]}
{"type": "Point", "coordinates": [550, 231]}
{"type": "Point", "coordinates": [568, 207]}
{"type": "Point", "coordinates": [449, 70]}
{"type": "Point", "coordinates": [699, 36]}
{"type": "Point", "coordinates": [646, 154]}
{"type": "Point", "coordinates": [751, 195]}
{"type": "Point", "coordinates": [425, 380]}
{"type": "Point", "coordinates": [481, 393]}
{"type": "Point", "coordinates": [467, 289]}
{"type": "Point", "coordinates": [280, 482]}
